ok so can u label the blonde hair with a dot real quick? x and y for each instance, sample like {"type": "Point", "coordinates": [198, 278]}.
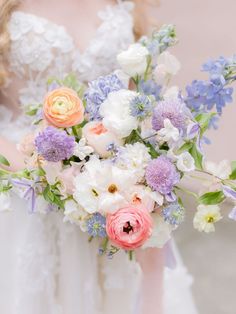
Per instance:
{"type": "Point", "coordinates": [8, 6]}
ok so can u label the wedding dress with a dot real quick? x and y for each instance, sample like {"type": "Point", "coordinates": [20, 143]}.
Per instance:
{"type": "Point", "coordinates": [47, 266]}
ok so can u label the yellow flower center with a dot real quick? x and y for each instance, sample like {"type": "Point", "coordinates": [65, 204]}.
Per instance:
{"type": "Point", "coordinates": [210, 219]}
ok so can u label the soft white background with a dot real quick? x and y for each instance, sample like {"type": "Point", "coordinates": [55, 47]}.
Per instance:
{"type": "Point", "coordinates": [207, 29]}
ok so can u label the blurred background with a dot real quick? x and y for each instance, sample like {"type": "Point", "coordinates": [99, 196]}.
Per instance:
{"type": "Point", "coordinates": [206, 29]}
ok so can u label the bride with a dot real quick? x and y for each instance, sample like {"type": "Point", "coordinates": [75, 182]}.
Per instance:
{"type": "Point", "coordinates": [47, 266]}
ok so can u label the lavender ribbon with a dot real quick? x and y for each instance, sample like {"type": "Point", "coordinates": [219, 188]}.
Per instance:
{"type": "Point", "coordinates": [29, 193]}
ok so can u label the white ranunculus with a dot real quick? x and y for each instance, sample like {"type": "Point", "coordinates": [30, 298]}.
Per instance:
{"type": "Point", "coordinates": [169, 133]}
{"type": "Point", "coordinates": [185, 162]}
{"type": "Point", "coordinates": [115, 111]}
{"type": "Point", "coordinates": [161, 233]}
{"type": "Point", "coordinates": [171, 63]}
{"type": "Point", "coordinates": [99, 138]}
{"type": "Point", "coordinates": [134, 60]}
{"type": "Point", "coordinates": [205, 218]}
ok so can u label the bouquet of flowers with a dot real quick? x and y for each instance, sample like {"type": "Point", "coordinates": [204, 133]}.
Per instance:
{"type": "Point", "coordinates": [110, 156]}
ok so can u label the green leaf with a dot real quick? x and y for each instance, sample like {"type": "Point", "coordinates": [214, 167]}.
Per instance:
{"type": "Point", "coordinates": [204, 119]}
{"type": "Point", "coordinates": [197, 156]}
{"type": "Point", "coordinates": [4, 161]}
{"type": "Point", "coordinates": [185, 147]}
{"type": "Point", "coordinates": [233, 173]}
{"type": "Point", "coordinates": [48, 194]}
{"type": "Point", "coordinates": [153, 153]}
{"type": "Point", "coordinates": [212, 198]}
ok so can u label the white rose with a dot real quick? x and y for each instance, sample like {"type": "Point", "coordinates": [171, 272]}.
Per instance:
{"type": "Point", "coordinates": [185, 162]}
{"type": "Point", "coordinates": [134, 60]}
{"type": "Point", "coordinates": [171, 63]}
{"type": "Point", "coordinates": [160, 74]}
{"type": "Point", "coordinates": [115, 111]}
{"type": "Point", "coordinates": [99, 138]}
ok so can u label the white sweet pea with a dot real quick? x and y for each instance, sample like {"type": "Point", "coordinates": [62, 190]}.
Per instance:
{"type": "Point", "coordinates": [82, 150]}
{"type": "Point", "coordinates": [171, 63]}
{"type": "Point", "coordinates": [161, 233]}
{"type": "Point", "coordinates": [185, 162]}
{"type": "Point", "coordinates": [134, 60]}
{"type": "Point", "coordinates": [168, 133]}
{"type": "Point", "coordinates": [52, 170]}
{"type": "Point", "coordinates": [115, 111]}
{"type": "Point", "coordinates": [100, 138]}
{"type": "Point", "coordinates": [5, 201]}
{"type": "Point", "coordinates": [205, 218]}
{"type": "Point", "coordinates": [172, 93]}
{"type": "Point", "coordinates": [221, 170]}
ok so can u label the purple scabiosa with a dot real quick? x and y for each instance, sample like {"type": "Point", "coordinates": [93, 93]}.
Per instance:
{"type": "Point", "coordinates": [173, 214]}
{"type": "Point", "coordinates": [140, 107]}
{"type": "Point", "coordinates": [98, 91]}
{"type": "Point", "coordinates": [174, 110]}
{"type": "Point", "coordinates": [54, 145]}
{"type": "Point", "coordinates": [96, 225]}
{"type": "Point", "coordinates": [161, 175]}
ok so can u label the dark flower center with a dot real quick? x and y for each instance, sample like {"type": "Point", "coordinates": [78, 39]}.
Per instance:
{"type": "Point", "coordinates": [127, 227]}
{"type": "Point", "coordinates": [112, 188]}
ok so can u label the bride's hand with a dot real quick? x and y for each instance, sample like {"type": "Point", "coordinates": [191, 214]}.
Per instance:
{"type": "Point", "coordinates": [15, 158]}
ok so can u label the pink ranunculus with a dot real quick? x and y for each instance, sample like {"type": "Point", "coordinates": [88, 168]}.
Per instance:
{"type": "Point", "coordinates": [129, 227]}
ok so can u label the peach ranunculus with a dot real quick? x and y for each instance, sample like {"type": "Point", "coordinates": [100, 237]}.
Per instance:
{"type": "Point", "coordinates": [63, 108]}
{"type": "Point", "coordinates": [129, 227]}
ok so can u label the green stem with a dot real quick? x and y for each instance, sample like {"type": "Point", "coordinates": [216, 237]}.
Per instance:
{"type": "Point", "coordinates": [131, 255]}
{"type": "Point", "coordinates": [187, 191]}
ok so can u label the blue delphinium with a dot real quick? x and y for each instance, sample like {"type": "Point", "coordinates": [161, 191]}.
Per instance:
{"type": "Point", "coordinates": [150, 88]}
{"type": "Point", "coordinates": [161, 39]}
{"type": "Point", "coordinates": [205, 95]}
{"type": "Point", "coordinates": [173, 214]}
{"type": "Point", "coordinates": [96, 225]}
{"type": "Point", "coordinates": [98, 91]}
{"type": "Point", "coordinates": [140, 107]}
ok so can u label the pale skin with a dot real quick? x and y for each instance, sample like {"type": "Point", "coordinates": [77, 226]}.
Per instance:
{"type": "Point", "coordinates": [77, 16]}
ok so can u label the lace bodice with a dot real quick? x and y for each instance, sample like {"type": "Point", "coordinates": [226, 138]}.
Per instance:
{"type": "Point", "coordinates": [41, 49]}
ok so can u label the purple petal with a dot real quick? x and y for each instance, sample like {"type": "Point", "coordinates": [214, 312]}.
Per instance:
{"type": "Point", "coordinates": [193, 130]}
{"type": "Point", "coordinates": [232, 214]}
{"type": "Point", "coordinates": [228, 192]}
{"type": "Point", "coordinates": [171, 197]}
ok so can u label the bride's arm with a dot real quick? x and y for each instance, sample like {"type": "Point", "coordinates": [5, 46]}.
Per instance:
{"type": "Point", "coordinates": [9, 150]}
{"type": "Point", "coordinates": [152, 264]}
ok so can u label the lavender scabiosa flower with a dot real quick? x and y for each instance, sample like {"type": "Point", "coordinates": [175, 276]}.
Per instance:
{"type": "Point", "coordinates": [174, 110]}
{"type": "Point", "coordinates": [173, 214]}
{"type": "Point", "coordinates": [140, 107]}
{"type": "Point", "coordinates": [161, 175]}
{"type": "Point", "coordinates": [54, 145]}
{"type": "Point", "coordinates": [96, 225]}
{"type": "Point", "coordinates": [98, 91]}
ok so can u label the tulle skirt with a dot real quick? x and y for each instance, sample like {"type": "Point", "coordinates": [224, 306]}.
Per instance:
{"type": "Point", "coordinates": [47, 266]}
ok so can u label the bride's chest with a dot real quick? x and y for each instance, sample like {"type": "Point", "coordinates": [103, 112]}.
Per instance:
{"type": "Point", "coordinates": [40, 48]}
